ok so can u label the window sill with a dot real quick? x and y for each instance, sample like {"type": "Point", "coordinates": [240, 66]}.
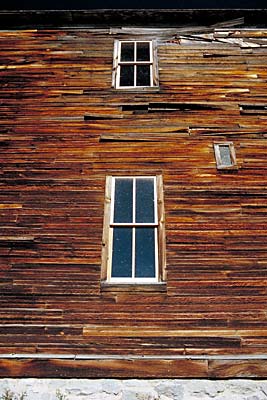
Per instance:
{"type": "Point", "coordinates": [133, 287]}
{"type": "Point", "coordinates": [227, 168]}
{"type": "Point", "coordinates": [137, 89]}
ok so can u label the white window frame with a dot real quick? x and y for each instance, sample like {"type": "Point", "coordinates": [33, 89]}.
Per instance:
{"type": "Point", "coordinates": [152, 63]}
{"type": "Point", "coordinates": [109, 225]}
{"type": "Point", "coordinates": [218, 158]}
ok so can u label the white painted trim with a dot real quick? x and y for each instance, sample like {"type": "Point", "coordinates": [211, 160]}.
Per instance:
{"type": "Point", "coordinates": [112, 200]}
{"type": "Point", "coordinates": [133, 281]}
{"type": "Point", "coordinates": [134, 224]}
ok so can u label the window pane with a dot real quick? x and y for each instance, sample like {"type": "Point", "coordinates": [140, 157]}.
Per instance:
{"type": "Point", "coordinates": [145, 253]}
{"type": "Point", "coordinates": [123, 203]}
{"type": "Point", "coordinates": [127, 51]}
{"type": "Point", "coordinates": [143, 75]}
{"type": "Point", "coordinates": [143, 53]}
{"type": "Point", "coordinates": [225, 155]}
{"type": "Point", "coordinates": [145, 200]}
{"type": "Point", "coordinates": [122, 253]}
{"type": "Point", "coordinates": [126, 75]}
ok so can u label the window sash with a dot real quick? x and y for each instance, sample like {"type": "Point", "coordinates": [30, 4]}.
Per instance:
{"type": "Point", "coordinates": [135, 63]}
{"type": "Point", "coordinates": [133, 278]}
{"type": "Point", "coordinates": [133, 225]}
{"type": "Point", "coordinates": [134, 178]}
{"type": "Point", "coordinates": [135, 75]}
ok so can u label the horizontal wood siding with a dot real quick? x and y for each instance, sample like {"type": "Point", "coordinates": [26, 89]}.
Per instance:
{"type": "Point", "coordinates": [63, 129]}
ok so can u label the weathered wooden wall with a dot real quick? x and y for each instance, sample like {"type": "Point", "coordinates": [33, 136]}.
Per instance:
{"type": "Point", "coordinates": [63, 129]}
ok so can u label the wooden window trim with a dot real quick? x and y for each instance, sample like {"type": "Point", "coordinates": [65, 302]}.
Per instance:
{"type": "Point", "coordinates": [154, 80]}
{"type": "Point", "coordinates": [217, 153]}
{"type": "Point", "coordinates": [107, 240]}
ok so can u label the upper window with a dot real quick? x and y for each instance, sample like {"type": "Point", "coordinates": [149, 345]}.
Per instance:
{"type": "Point", "coordinates": [134, 65]}
{"type": "Point", "coordinates": [225, 155]}
{"type": "Point", "coordinates": [133, 230]}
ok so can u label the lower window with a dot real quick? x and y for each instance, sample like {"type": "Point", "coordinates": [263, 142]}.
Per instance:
{"type": "Point", "coordinates": [133, 248]}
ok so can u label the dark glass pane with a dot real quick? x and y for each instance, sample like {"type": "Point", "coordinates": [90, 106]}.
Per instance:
{"type": "Point", "coordinates": [122, 253]}
{"type": "Point", "coordinates": [143, 75]}
{"type": "Point", "coordinates": [127, 75]}
{"type": "Point", "coordinates": [127, 51]}
{"type": "Point", "coordinates": [143, 53]}
{"type": "Point", "coordinates": [145, 200]}
{"type": "Point", "coordinates": [145, 253]}
{"type": "Point", "coordinates": [225, 155]}
{"type": "Point", "coordinates": [123, 204]}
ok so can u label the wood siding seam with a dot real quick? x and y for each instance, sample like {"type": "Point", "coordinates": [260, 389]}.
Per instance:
{"type": "Point", "coordinates": [44, 356]}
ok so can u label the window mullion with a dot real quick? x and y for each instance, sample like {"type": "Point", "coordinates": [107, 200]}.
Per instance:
{"type": "Point", "coordinates": [151, 63]}
{"type": "Point", "coordinates": [156, 228]}
{"type": "Point", "coordinates": [135, 67]}
{"type": "Point", "coordinates": [133, 231]}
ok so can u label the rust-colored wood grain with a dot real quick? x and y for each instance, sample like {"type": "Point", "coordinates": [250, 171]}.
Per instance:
{"type": "Point", "coordinates": [63, 129]}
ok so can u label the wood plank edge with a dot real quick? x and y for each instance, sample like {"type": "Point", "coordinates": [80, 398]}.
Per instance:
{"type": "Point", "coordinates": [132, 368]}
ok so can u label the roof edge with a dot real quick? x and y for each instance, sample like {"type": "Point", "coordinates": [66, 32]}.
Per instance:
{"type": "Point", "coordinates": [118, 17]}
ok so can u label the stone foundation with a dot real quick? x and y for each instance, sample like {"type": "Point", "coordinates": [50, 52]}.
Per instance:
{"type": "Point", "coordinates": [133, 389]}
